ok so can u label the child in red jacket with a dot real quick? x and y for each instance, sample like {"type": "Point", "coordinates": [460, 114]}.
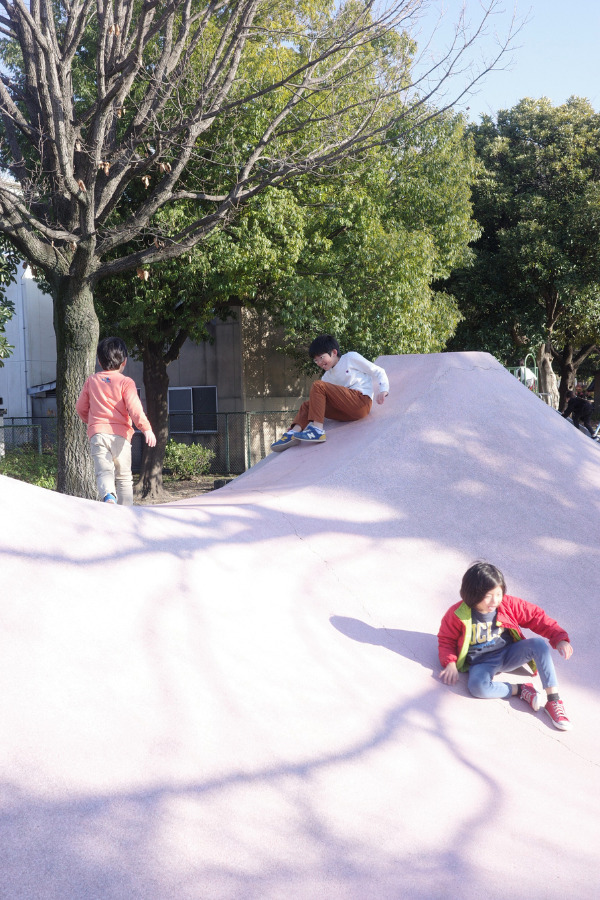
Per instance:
{"type": "Point", "coordinates": [482, 636]}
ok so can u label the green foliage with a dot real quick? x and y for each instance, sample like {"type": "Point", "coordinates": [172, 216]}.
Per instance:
{"type": "Point", "coordinates": [537, 264]}
{"type": "Point", "coordinates": [136, 129]}
{"type": "Point", "coordinates": [355, 253]}
{"type": "Point", "coordinates": [26, 464]}
{"type": "Point", "coordinates": [378, 240]}
{"type": "Point", "coordinates": [187, 461]}
{"type": "Point", "coordinates": [259, 247]}
{"type": "Point", "coordinates": [183, 295]}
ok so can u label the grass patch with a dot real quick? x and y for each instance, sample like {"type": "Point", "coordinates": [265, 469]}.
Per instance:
{"type": "Point", "coordinates": [26, 464]}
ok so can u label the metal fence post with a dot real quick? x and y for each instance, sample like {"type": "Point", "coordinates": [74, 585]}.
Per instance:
{"type": "Point", "coordinates": [227, 460]}
{"type": "Point", "coordinates": [248, 439]}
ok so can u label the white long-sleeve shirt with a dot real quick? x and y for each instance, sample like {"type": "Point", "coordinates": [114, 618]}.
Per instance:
{"type": "Point", "coordinates": [354, 371]}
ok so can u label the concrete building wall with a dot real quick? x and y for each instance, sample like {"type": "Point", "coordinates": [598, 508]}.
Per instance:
{"type": "Point", "coordinates": [271, 379]}
{"type": "Point", "coordinates": [217, 364]}
{"type": "Point", "coordinates": [41, 342]}
{"type": "Point", "coordinates": [31, 332]}
{"type": "Point", "coordinates": [13, 381]}
{"type": "Point", "coordinates": [243, 362]}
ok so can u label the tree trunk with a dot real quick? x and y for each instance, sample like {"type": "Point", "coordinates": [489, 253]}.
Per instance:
{"type": "Point", "coordinates": [547, 378]}
{"type": "Point", "coordinates": [568, 374]}
{"type": "Point", "coordinates": [569, 361]}
{"type": "Point", "coordinates": [76, 328]}
{"type": "Point", "coordinates": [156, 384]}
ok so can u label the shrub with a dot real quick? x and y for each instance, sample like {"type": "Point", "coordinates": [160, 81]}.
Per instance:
{"type": "Point", "coordinates": [187, 461]}
{"type": "Point", "coordinates": [27, 464]}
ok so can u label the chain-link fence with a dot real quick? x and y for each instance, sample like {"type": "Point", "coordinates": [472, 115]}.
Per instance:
{"type": "Point", "coordinates": [21, 435]}
{"type": "Point", "coordinates": [46, 426]}
{"type": "Point", "coordinates": [240, 440]}
{"type": "Point", "coordinates": [262, 429]}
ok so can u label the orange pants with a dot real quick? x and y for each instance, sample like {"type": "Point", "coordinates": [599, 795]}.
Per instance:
{"type": "Point", "coordinates": [331, 401]}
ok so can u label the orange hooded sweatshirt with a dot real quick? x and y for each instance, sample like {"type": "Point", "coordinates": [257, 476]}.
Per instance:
{"type": "Point", "coordinates": [108, 403]}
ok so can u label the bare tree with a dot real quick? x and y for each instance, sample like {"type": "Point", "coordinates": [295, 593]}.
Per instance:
{"type": "Point", "coordinates": [104, 105]}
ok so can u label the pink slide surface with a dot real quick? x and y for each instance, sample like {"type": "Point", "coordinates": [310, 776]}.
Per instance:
{"type": "Point", "coordinates": [236, 697]}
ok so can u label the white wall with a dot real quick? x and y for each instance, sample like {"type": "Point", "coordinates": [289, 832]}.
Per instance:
{"type": "Point", "coordinates": [31, 332]}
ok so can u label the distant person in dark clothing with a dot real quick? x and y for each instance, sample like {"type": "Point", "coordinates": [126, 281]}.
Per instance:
{"type": "Point", "coordinates": [580, 410]}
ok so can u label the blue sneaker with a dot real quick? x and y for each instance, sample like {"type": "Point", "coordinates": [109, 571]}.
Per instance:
{"type": "Point", "coordinates": [310, 435]}
{"type": "Point", "coordinates": [110, 498]}
{"type": "Point", "coordinates": [284, 442]}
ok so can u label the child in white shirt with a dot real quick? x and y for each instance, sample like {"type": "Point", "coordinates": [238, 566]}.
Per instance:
{"type": "Point", "coordinates": [344, 393]}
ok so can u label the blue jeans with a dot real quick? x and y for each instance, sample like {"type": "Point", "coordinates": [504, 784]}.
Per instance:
{"type": "Point", "coordinates": [507, 660]}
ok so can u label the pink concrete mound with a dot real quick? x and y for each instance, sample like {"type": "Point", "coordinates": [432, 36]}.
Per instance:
{"type": "Point", "coordinates": [235, 697]}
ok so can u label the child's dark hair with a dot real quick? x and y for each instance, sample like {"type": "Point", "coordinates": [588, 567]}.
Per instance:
{"type": "Point", "coordinates": [325, 343]}
{"type": "Point", "coordinates": [478, 581]}
{"type": "Point", "coordinates": [112, 351]}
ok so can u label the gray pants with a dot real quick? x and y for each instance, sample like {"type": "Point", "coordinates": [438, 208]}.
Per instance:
{"type": "Point", "coordinates": [111, 454]}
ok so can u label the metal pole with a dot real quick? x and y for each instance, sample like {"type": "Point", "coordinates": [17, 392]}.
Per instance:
{"type": "Point", "coordinates": [535, 371]}
{"type": "Point", "coordinates": [227, 463]}
{"type": "Point", "coordinates": [248, 432]}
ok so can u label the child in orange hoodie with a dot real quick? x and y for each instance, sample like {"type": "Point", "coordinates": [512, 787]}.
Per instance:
{"type": "Point", "coordinates": [107, 404]}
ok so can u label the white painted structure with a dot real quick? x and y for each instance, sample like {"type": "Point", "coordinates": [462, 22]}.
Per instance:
{"type": "Point", "coordinates": [32, 364]}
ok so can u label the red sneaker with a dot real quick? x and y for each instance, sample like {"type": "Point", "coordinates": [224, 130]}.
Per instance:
{"type": "Point", "coordinates": [531, 696]}
{"type": "Point", "coordinates": [556, 711]}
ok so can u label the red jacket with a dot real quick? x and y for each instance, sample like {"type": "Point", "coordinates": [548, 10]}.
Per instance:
{"type": "Point", "coordinates": [454, 636]}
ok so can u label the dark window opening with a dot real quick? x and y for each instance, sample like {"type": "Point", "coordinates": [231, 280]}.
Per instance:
{"type": "Point", "coordinates": [193, 410]}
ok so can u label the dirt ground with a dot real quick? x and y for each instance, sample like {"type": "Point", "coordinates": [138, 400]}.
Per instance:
{"type": "Point", "coordinates": [179, 490]}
